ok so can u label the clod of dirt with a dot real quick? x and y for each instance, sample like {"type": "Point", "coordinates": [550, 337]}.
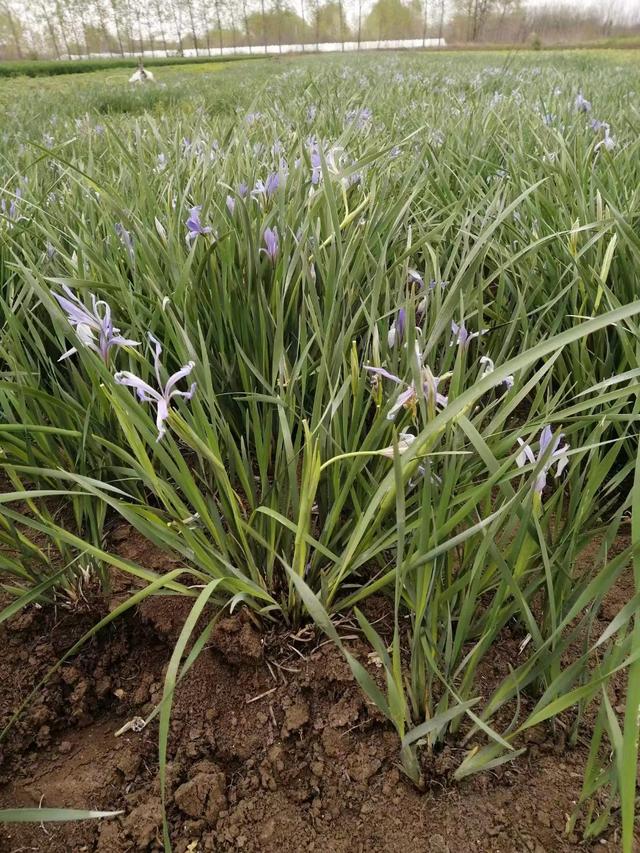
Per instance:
{"type": "Point", "coordinates": [362, 764]}
{"type": "Point", "coordinates": [128, 763]}
{"type": "Point", "coordinates": [336, 744]}
{"type": "Point", "coordinates": [203, 796]}
{"type": "Point", "coordinates": [143, 822]}
{"type": "Point", "coordinates": [296, 716]}
{"type": "Point", "coordinates": [238, 640]}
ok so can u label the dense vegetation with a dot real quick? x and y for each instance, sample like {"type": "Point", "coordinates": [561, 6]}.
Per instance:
{"type": "Point", "coordinates": [332, 328]}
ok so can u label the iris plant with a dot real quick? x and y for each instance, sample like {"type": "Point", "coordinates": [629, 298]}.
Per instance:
{"type": "Point", "coordinates": [166, 390]}
{"type": "Point", "coordinates": [91, 322]}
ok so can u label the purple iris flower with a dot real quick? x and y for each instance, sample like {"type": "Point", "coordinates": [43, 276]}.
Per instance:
{"type": "Point", "coordinates": [608, 142]}
{"type": "Point", "coordinates": [13, 205]}
{"type": "Point", "coordinates": [231, 204]}
{"type": "Point", "coordinates": [396, 330]}
{"type": "Point", "coordinates": [360, 117]}
{"type": "Point", "coordinates": [596, 125]}
{"type": "Point", "coordinates": [88, 322]}
{"type": "Point", "coordinates": [488, 367]}
{"type": "Point", "coordinates": [125, 238]}
{"type": "Point", "coordinates": [557, 456]}
{"type": "Point", "coordinates": [268, 187]}
{"type": "Point", "coordinates": [407, 399]}
{"type": "Point", "coordinates": [582, 104]}
{"type": "Point", "coordinates": [272, 243]}
{"type": "Point", "coordinates": [414, 277]}
{"type": "Point", "coordinates": [162, 398]}
{"type": "Point", "coordinates": [243, 189]}
{"type": "Point", "coordinates": [194, 226]}
{"type": "Point", "coordinates": [461, 336]}
{"type": "Point", "coordinates": [316, 166]}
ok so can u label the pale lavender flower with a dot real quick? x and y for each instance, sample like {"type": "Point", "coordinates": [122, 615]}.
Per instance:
{"type": "Point", "coordinates": [243, 189]}
{"type": "Point", "coordinates": [596, 125]}
{"type": "Point", "coordinates": [194, 226]}
{"type": "Point", "coordinates": [88, 322]}
{"type": "Point", "coordinates": [125, 238]}
{"type": "Point", "coordinates": [461, 336]}
{"type": "Point", "coordinates": [251, 118]}
{"type": "Point", "coordinates": [231, 204]}
{"type": "Point", "coordinates": [316, 165]}
{"type": "Point", "coordinates": [360, 117]}
{"type": "Point", "coordinates": [267, 188]}
{"type": "Point", "coordinates": [396, 330]}
{"type": "Point", "coordinates": [608, 142]}
{"type": "Point", "coordinates": [11, 210]}
{"type": "Point", "coordinates": [414, 277]}
{"type": "Point", "coordinates": [582, 104]}
{"type": "Point", "coordinates": [167, 390]}
{"type": "Point", "coordinates": [408, 398]}
{"type": "Point", "coordinates": [488, 367]}
{"type": "Point", "coordinates": [272, 243]}
{"type": "Point", "coordinates": [556, 456]}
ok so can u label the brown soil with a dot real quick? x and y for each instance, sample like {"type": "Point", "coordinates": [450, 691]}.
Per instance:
{"type": "Point", "coordinates": [272, 748]}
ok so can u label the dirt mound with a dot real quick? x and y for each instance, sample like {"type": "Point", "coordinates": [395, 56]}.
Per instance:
{"type": "Point", "coordinates": [272, 748]}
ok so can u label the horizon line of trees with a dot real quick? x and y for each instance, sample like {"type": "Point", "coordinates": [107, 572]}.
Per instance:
{"type": "Point", "coordinates": [60, 29]}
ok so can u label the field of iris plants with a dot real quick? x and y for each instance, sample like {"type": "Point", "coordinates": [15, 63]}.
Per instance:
{"type": "Point", "coordinates": [335, 328]}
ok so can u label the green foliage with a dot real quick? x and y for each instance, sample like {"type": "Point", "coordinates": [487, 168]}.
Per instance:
{"type": "Point", "coordinates": [48, 68]}
{"type": "Point", "coordinates": [445, 188]}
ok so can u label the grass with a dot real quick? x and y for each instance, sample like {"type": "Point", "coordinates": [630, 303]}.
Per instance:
{"type": "Point", "coordinates": [57, 67]}
{"type": "Point", "coordinates": [351, 210]}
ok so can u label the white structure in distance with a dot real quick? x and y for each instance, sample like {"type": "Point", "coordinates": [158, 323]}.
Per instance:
{"type": "Point", "coordinates": [257, 49]}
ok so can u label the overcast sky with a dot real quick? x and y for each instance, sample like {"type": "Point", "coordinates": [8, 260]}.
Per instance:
{"type": "Point", "coordinates": [622, 8]}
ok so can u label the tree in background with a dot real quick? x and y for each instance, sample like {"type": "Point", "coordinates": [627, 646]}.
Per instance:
{"type": "Point", "coordinates": [11, 35]}
{"type": "Point", "coordinates": [329, 22]}
{"type": "Point", "coordinates": [60, 28]}
{"type": "Point", "coordinates": [279, 25]}
{"type": "Point", "coordinates": [393, 19]}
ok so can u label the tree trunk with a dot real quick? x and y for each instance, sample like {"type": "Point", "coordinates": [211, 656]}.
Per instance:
{"type": "Point", "coordinates": [114, 9]}
{"type": "Point", "coordinates": [424, 23]}
{"type": "Point", "coordinates": [62, 28]}
{"type": "Point", "coordinates": [264, 26]}
{"type": "Point", "coordinates": [163, 37]}
{"type": "Point", "coordinates": [219, 22]}
{"type": "Point", "coordinates": [246, 23]}
{"type": "Point", "coordinates": [14, 31]}
{"type": "Point", "coordinates": [193, 26]}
